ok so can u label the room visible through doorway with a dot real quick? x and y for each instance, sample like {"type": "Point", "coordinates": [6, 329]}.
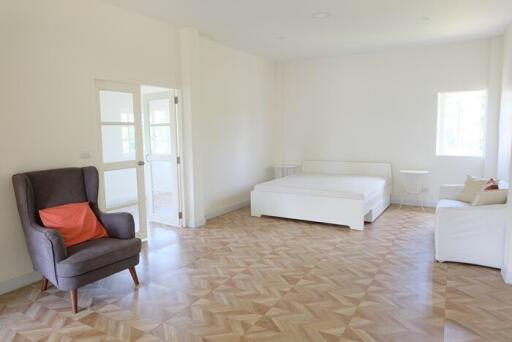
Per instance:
{"type": "Point", "coordinates": [140, 160]}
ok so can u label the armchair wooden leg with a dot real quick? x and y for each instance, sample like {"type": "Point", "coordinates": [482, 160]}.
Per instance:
{"type": "Point", "coordinates": [133, 272]}
{"type": "Point", "coordinates": [44, 284]}
{"type": "Point", "coordinates": [74, 300]}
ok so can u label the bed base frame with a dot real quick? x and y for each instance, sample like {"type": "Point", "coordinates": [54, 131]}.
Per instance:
{"type": "Point", "coordinates": [333, 210]}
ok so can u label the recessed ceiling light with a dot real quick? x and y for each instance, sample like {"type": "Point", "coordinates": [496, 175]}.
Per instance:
{"type": "Point", "coordinates": [321, 15]}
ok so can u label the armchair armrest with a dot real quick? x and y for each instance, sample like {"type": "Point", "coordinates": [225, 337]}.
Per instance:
{"type": "Point", "coordinates": [45, 246]}
{"type": "Point", "coordinates": [118, 225]}
{"type": "Point", "coordinates": [51, 238]}
{"type": "Point", "coordinates": [450, 191]}
{"type": "Point", "coordinates": [46, 249]}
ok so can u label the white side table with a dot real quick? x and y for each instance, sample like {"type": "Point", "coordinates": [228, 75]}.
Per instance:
{"type": "Point", "coordinates": [286, 170]}
{"type": "Point", "coordinates": [415, 184]}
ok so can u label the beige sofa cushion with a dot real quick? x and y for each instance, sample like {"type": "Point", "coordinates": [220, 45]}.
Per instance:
{"type": "Point", "coordinates": [491, 197]}
{"type": "Point", "coordinates": [471, 187]}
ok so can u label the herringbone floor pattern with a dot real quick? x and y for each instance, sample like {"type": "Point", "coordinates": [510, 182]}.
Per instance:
{"type": "Point", "coordinates": [265, 279]}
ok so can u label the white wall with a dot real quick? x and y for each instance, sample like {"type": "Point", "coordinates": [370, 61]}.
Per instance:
{"type": "Point", "coordinates": [53, 50]}
{"type": "Point", "coordinates": [383, 107]}
{"type": "Point", "coordinates": [51, 53]}
{"type": "Point", "coordinates": [239, 124]}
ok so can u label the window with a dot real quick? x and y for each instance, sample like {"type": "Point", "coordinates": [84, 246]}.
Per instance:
{"type": "Point", "coordinates": [461, 121]}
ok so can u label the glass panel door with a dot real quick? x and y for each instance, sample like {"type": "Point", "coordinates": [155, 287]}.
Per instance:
{"type": "Point", "coordinates": [160, 135]}
{"type": "Point", "coordinates": [121, 170]}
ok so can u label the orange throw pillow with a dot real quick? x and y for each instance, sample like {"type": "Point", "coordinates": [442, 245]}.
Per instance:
{"type": "Point", "coordinates": [76, 222]}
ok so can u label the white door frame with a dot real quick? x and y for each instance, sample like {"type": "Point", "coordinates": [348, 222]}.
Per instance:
{"type": "Point", "coordinates": [138, 163]}
{"type": "Point", "coordinates": [180, 151]}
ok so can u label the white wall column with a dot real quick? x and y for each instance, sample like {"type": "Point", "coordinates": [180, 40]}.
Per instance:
{"type": "Point", "coordinates": [505, 146]}
{"type": "Point", "coordinates": [506, 271]}
{"type": "Point", "coordinates": [190, 105]}
{"type": "Point", "coordinates": [505, 128]}
{"type": "Point", "coordinates": [493, 110]}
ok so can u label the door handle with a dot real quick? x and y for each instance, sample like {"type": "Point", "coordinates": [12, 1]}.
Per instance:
{"type": "Point", "coordinates": [141, 163]}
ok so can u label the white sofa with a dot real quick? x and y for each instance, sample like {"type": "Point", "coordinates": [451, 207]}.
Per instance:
{"type": "Point", "coordinates": [469, 234]}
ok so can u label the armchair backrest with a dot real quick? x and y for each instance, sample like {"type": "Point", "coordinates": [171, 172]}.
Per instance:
{"type": "Point", "coordinates": [45, 189]}
{"type": "Point", "coordinates": [57, 187]}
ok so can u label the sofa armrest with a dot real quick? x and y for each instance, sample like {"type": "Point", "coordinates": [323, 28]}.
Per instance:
{"type": "Point", "coordinates": [480, 209]}
{"type": "Point", "coordinates": [471, 234]}
{"type": "Point", "coordinates": [118, 225]}
{"type": "Point", "coordinates": [450, 191]}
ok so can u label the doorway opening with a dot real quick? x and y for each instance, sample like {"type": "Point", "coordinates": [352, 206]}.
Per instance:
{"type": "Point", "coordinates": [140, 159]}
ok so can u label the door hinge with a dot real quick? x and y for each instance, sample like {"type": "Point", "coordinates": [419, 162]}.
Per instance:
{"type": "Point", "coordinates": [178, 160]}
{"type": "Point", "coordinates": [176, 100]}
{"type": "Point", "coordinates": [180, 215]}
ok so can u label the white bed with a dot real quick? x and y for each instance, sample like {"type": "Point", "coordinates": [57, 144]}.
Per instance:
{"type": "Point", "coordinates": [344, 193]}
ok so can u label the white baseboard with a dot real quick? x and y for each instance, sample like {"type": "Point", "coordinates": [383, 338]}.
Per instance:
{"type": "Point", "coordinates": [507, 275]}
{"type": "Point", "coordinates": [227, 209]}
{"type": "Point", "coordinates": [195, 223]}
{"type": "Point", "coordinates": [415, 202]}
{"type": "Point", "coordinates": [201, 222]}
{"type": "Point", "coordinates": [16, 283]}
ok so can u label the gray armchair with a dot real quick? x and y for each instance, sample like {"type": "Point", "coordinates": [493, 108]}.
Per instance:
{"type": "Point", "coordinates": [76, 266]}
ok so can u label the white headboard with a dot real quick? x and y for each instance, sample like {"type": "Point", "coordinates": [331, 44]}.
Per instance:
{"type": "Point", "coordinates": [347, 168]}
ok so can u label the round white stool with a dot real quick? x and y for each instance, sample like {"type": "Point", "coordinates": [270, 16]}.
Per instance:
{"type": "Point", "coordinates": [414, 185]}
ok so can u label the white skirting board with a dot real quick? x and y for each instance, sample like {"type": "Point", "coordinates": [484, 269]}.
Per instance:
{"type": "Point", "coordinates": [227, 209]}
{"type": "Point", "coordinates": [215, 213]}
{"type": "Point", "coordinates": [195, 224]}
{"type": "Point", "coordinates": [18, 282]}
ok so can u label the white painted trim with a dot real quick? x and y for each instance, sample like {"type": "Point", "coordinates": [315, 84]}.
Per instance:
{"type": "Point", "coordinates": [181, 155]}
{"type": "Point", "coordinates": [227, 209]}
{"type": "Point", "coordinates": [18, 282]}
{"type": "Point", "coordinates": [507, 275]}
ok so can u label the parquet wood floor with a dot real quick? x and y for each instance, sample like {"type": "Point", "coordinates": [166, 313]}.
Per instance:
{"type": "Point", "coordinates": [266, 279]}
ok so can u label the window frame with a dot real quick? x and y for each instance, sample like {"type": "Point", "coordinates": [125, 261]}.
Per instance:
{"type": "Point", "coordinates": [440, 137]}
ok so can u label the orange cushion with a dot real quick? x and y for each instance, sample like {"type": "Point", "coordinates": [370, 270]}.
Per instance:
{"type": "Point", "coordinates": [76, 222]}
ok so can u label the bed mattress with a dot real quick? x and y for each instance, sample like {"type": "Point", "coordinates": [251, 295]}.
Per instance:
{"type": "Point", "coordinates": [363, 188]}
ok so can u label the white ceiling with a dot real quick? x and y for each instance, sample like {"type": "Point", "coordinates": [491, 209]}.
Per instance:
{"type": "Point", "coordinates": [259, 26]}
